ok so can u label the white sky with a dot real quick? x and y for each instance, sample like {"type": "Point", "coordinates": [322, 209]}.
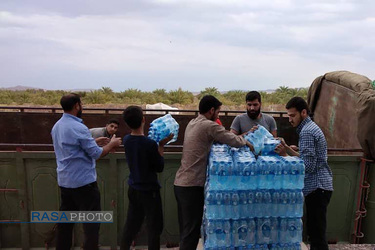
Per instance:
{"type": "Point", "coordinates": [228, 44]}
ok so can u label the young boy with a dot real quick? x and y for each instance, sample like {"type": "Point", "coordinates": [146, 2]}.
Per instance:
{"type": "Point", "coordinates": [145, 160]}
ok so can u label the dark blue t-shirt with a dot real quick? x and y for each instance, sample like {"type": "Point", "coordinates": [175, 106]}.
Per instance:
{"type": "Point", "coordinates": [144, 162]}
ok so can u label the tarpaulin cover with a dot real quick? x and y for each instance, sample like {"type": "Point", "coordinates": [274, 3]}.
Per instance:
{"type": "Point", "coordinates": [365, 105]}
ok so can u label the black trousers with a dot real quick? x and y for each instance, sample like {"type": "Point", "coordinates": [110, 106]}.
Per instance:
{"type": "Point", "coordinates": [190, 201]}
{"type": "Point", "coordinates": [143, 204]}
{"type": "Point", "coordinates": [316, 218]}
{"type": "Point", "coordinates": [86, 198]}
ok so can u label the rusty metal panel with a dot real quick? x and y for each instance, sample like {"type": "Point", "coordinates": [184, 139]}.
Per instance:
{"type": "Point", "coordinates": [335, 114]}
{"type": "Point", "coordinates": [35, 128]}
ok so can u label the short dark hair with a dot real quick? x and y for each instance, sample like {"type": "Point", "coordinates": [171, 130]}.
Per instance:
{"type": "Point", "coordinates": [253, 95]}
{"type": "Point", "coordinates": [133, 116]}
{"type": "Point", "coordinates": [298, 103]}
{"type": "Point", "coordinates": [68, 101]}
{"type": "Point", "coordinates": [114, 120]}
{"type": "Point", "coordinates": [208, 102]}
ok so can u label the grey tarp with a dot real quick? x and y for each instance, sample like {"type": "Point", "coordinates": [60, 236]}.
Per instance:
{"type": "Point", "coordinates": [365, 105]}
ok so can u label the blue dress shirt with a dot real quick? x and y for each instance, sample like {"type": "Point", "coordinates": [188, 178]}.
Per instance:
{"type": "Point", "coordinates": [313, 151]}
{"type": "Point", "coordinates": [76, 152]}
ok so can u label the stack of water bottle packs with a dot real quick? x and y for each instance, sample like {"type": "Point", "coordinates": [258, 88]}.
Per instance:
{"type": "Point", "coordinates": [163, 127]}
{"type": "Point", "coordinates": [253, 203]}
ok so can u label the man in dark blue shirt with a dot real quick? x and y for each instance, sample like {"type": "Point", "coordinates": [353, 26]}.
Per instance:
{"type": "Point", "coordinates": [145, 159]}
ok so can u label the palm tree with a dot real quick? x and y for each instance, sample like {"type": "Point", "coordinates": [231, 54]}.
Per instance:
{"type": "Point", "coordinates": [210, 91]}
{"type": "Point", "coordinates": [180, 96]}
{"type": "Point", "coordinates": [107, 91]}
{"type": "Point", "coordinates": [236, 96]}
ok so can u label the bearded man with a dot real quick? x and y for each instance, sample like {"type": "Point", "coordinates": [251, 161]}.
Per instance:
{"type": "Point", "coordinates": [76, 154]}
{"type": "Point", "coordinates": [245, 122]}
{"type": "Point", "coordinates": [200, 134]}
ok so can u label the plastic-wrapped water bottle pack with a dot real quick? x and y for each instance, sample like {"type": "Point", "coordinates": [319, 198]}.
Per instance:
{"type": "Point", "coordinates": [252, 203]}
{"type": "Point", "coordinates": [262, 140]}
{"type": "Point", "coordinates": [163, 127]}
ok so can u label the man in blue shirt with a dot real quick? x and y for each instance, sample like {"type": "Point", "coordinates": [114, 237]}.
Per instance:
{"type": "Point", "coordinates": [318, 175]}
{"type": "Point", "coordinates": [76, 154]}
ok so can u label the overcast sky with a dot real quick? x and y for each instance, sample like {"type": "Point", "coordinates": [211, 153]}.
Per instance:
{"type": "Point", "coordinates": [228, 44]}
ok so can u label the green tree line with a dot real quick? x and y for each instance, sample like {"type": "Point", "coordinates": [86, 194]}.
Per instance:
{"type": "Point", "coordinates": [106, 95]}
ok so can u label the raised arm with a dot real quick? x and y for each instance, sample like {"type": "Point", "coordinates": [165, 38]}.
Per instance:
{"type": "Point", "coordinates": [113, 143]}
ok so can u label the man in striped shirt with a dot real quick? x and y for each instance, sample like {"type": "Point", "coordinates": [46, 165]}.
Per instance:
{"type": "Point", "coordinates": [318, 175]}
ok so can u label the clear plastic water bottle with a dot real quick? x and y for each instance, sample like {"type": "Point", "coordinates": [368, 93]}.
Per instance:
{"type": "Point", "coordinates": [270, 174]}
{"type": "Point", "coordinates": [299, 226]}
{"type": "Point", "coordinates": [301, 176]}
{"type": "Point", "coordinates": [251, 207]}
{"type": "Point", "coordinates": [221, 149]}
{"type": "Point", "coordinates": [243, 204]}
{"type": "Point", "coordinates": [274, 230]}
{"type": "Point", "coordinates": [213, 170]}
{"type": "Point", "coordinates": [253, 178]}
{"type": "Point", "coordinates": [227, 205]}
{"type": "Point", "coordinates": [269, 146]}
{"type": "Point", "coordinates": [219, 207]}
{"type": "Point", "coordinates": [235, 202]}
{"type": "Point", "coordinates": [292, 199]}
{"type": "Point", "coordinates": [231, 183]}
{"type": "Point", "coordinates": [220, 234]}
{"type": "Point", "coordinates": [258, 174]}
{"type": "Point", "coordinates": [267, 204]}
{"type": "Point", "coordinates": [241, 152]}
{"type": "Point", "coordinates": [257, 142]}
{"type": "Point", "coordinates": [299, 204]}
{"type": "Point", "coordinates": [227, 231]}
{"type": "Point", "coordinates": [275, 210]}
{"type": "Point", "coordinates": [283, 233]}
{"type": "Point", "coordinates": [263, 230]}
{"type": "Point", "coordinates": [263, 132]}
{"type": "Point", "coordinates": [258, 203]}
{"type": "Point", "coordinates": [252, 228]}
{"type": "Point", "coordinates": [234, 152]}
{"type": "Point", "coordinates": [224, 173]}
{"type": "Point", "coordinates": [283, 204]}
{"type": "Point", "coordinates": [210, 241]}
{"type": "Point", "coordinates": [243, 234]}
{"type": "Point", "coordinates": [294, 226]}
{"type": "Point", "coordinates": [278, 177]}
{"type": "Point", "coordinates": [263, 170]}
{"type": "Point", "coordinates": [246, 173]}
{"type": "Point", "coordinates": [286, 183]}
{"type": "Point", "coordinates": [234, 233]}
{"type": "Point", "coordinates": [266, 147]}
{"type": "Point", "coordinates": [210, 205]}
{"type": "Point", "coordinates": [296, 171]}
{"type": "Point", "coordinates": [236, 174]}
